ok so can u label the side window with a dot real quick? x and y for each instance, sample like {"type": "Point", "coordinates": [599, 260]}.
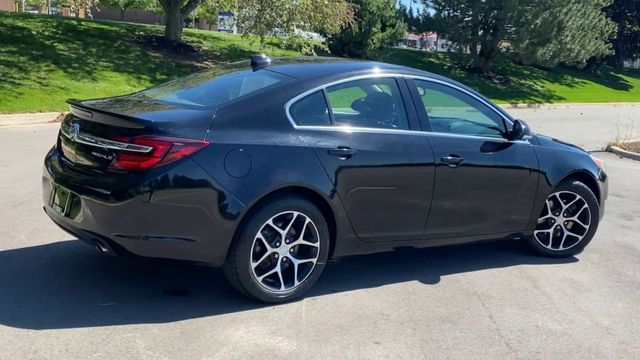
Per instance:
{"type": "Point", "coordinates": [311, 110]}
{"type": "Point", "coordinates": [370, 103]}
{"type": "Point", "coordinates": [453, 111]}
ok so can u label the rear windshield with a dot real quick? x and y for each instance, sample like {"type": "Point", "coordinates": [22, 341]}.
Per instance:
{"type": "Point", "coordinates": [214, 86]}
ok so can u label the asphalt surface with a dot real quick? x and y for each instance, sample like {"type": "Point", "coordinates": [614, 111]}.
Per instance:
{"type": "Point", "coordinates": [590, 126]}
{"type": "Point", "coordinates": [60, 299]}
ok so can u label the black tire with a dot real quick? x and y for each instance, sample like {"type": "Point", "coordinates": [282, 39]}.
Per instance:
{"type": "Point", "coordinates": [591, 201]}
{"type": "Point", "coordinates": [238, 269]}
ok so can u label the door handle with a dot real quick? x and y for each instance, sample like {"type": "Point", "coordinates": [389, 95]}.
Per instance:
{"type": "Point", "coordinates": [343, 152]}
{"type": "Point", "coordinates": [452, 161]}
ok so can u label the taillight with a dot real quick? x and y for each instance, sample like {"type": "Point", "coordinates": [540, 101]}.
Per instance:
{"type": "Point", "coordinates": [164, 150]}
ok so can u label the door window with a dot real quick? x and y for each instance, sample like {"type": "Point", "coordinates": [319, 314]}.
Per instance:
{"type": "Point", "coordinates": [452, 111]}
{"type": "Point", "coordinates": [369, 103]}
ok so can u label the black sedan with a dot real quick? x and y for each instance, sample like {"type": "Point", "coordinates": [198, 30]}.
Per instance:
{"type": "Point", "coordinates": [271, 168]}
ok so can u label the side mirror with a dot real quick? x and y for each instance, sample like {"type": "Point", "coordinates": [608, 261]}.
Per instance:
{"type": "Point", "coordinates": [519, 130]}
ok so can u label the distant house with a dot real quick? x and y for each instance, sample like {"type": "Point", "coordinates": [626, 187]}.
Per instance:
{"type": "Point", "coordinates": [430, 41]}
{"type": "Point", "coordinates": [139, 16]}
{"type": "Point", "coordinates": [105, 12]}
{"type": "Point", "coordinates": [632, 64]}
{"type": "Point", "coordinates": [13, 6]}
{"type": "Point", "coordinates": [8, 5]}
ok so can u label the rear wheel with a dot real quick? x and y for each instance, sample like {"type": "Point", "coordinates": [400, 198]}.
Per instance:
{"type": "Point", "coordinates": [281, 251]}
{"type": "Point", "coordinates": [568, 221]}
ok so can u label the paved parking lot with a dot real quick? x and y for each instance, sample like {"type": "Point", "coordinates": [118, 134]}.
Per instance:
{"type": "Point", "coordinates": [588, 126]}
{"type": "Point", "coordinates": [60, 299]}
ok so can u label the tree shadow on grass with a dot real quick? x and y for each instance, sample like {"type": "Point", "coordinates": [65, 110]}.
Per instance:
{"type": "Point", "coordinates": [67, 285]}
{"type": "Point", "coordinates": [229, 48]}
{"type": "Point", "coordinates": [36, 48]}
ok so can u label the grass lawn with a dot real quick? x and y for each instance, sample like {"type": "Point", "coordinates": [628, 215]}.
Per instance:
{"type": "Point", "coordinates": [529, 84]}
{"type": "Point", "coordinates": [45, 60]}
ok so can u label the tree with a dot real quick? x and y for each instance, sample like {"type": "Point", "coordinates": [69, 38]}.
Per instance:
{"type": "Point", "coordinates": [77, 5]}
{"type": "Point", "coordinates": [539, 32]}
{"type": "Point", "coordinates": [175, 11]}
{"type": "Point", "coordinates": [378, 25]}
{"type": "Point", "coordinates": [209, 10]}
{"type": "Point", "coordinates": [417, 21]}
{"type": "Point", "coordinates": [288, 18]}
{"type": "Point", "coordinates": [552, 32]}
{"type": "Point", "coordinates": [473, 23]}
{"type": "Point", "coordinates": [124, 5]}
{"type": "Point", "coordinates": [626, 43]}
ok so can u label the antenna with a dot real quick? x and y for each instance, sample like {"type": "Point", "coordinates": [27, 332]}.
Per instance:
{"type": "Point", "coordinates": [259, 61]}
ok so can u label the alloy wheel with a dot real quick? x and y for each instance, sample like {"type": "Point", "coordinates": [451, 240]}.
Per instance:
{"type": "Point", "coordinates": [285, 251]}
{"type": "Point", "coordinates": [564, 221]}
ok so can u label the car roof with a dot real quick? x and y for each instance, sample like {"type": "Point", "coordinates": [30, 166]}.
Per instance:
{"type": "Point", "coordinates": [312, 69]}
{"type": "Point", "coordinates": [307, 67]}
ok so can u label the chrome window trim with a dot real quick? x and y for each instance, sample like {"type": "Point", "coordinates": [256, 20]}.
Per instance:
{"type": "Point", "coordinates": [324, 87]}
{"type": "Point", "coordinates": [349, 129]}
{"type": "Point", "coordinates": [332, 127]}
{"type": "Point", "coordinates": [84, 138]}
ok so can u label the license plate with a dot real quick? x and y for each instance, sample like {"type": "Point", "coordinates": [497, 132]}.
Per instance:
{"type": "Point", "coordinates": [60, 200]}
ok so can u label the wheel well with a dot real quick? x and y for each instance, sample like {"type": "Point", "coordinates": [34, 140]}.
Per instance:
{"type": "Point", "coordinates": [299, 191]}
{"type": "Point", "coordinates": [586, 179]}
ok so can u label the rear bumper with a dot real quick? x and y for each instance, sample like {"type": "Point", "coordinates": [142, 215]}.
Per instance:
{"type": "Point", "coordinates": [174, 212]}
{"type": "Point", "coordinates": [103, 244]}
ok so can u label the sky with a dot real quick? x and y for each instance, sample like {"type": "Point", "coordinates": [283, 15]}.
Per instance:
{"type": "Point", "coordinates": [416, 5]}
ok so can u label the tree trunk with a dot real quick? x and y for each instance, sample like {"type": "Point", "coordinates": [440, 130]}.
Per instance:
{"type": "Point", "coordinates": [618, 47]}
{"type": "Point", "coordinates": [475, 28]}
{"type": "Point", "coordinates": [486, 65]}
{"type": "Point", "coordinates": [173, 20]}
{"type": "Point", "coordinates": [175, 12]}
{"type": "Point", "coordinates": [473, 49]}
{"type": "Point", "coordinates": [485, 56]}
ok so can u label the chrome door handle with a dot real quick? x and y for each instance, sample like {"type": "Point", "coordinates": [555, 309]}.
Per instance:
{"type": "Point", "coordinates": [343, 152]}
{"type": "Point", "coordinates": [452, 161]}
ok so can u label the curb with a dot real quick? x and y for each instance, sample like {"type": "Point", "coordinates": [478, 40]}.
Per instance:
{"type": "Point", "coordinates": [534, 106]}
{"type": "Point", "coordinates": [624, 153]}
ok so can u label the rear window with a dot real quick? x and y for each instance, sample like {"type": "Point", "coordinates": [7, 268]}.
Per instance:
{"type": "Point", "coordinates": [212, 87]}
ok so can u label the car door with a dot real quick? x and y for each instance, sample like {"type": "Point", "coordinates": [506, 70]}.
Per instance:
{"type": "Point", "coordinates": [484, 183]}
{"type": "Point", "coordinates": [381, 166]}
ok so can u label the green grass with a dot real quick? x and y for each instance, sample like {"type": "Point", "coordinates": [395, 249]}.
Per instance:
{"type": "Point", "coordinates": [528, 84]}
{"type": "Point", "coordinates": [45, 60]}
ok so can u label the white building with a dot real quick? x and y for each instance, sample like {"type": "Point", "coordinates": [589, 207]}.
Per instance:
{"type": "Point", "coordinates": [632, 64]}
{"type": "Point", "coordinates": [429, 41]}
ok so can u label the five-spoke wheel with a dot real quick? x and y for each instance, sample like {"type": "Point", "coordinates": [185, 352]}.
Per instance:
{"type": "Point", "coordinates": [564, 221]}
{"type": "Point", "coordinates": [281, 250]}
{"type": "Point", "coordinates": [285, 250]}
{"type": "Point", "coordinates": [567, 221]}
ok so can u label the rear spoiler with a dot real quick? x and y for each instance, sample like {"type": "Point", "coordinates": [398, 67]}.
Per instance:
{"type": "Point", "coordinates": [103, 116]}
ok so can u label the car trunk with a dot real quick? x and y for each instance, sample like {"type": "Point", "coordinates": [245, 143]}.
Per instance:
{"type": "Point", "coordinates": [95, 132]}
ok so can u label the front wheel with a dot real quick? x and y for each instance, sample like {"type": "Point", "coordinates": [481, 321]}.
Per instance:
{"type": "Point", "coordinates": [281, 251]}
{"type": "Point", "coordinates": [568, 221]}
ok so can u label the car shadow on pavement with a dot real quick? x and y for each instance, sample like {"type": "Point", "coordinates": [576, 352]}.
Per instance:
{"type": "Point", "coordinates": [68, 285]}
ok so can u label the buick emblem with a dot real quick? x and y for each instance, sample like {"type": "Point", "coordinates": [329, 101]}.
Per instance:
{"type": "Point", "coordinates": [73, 131]}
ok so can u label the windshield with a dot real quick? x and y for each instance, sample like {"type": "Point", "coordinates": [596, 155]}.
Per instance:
{"type": "Point", "coordinates": [214, 86]}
